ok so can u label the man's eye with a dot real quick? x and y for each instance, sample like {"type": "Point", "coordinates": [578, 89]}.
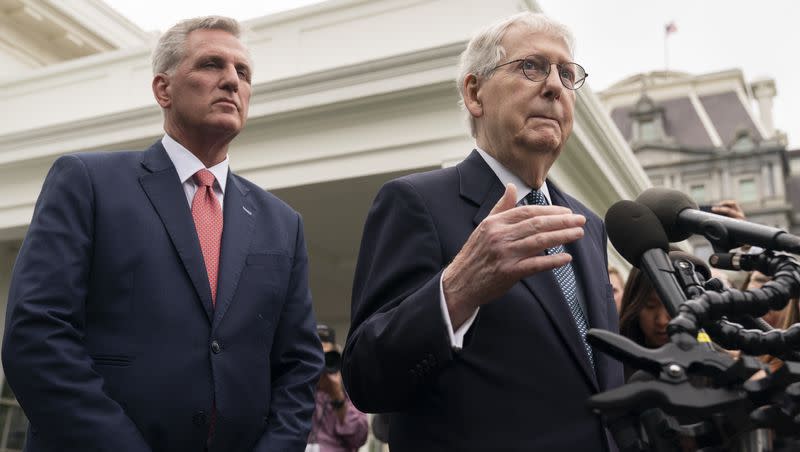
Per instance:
{"type": "Point", "coordinates": [566, 74]}
{"type": "Point", "coordinates": [533, 66]}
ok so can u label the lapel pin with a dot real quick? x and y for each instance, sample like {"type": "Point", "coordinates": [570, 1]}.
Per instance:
{"type": "Point", "coordinates": [247, 211]}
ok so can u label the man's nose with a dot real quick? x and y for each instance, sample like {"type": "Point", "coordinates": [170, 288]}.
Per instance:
{"type": "Point", "coordinates": [552, 84]}
{"type": "Point", "coordinates": [230, 79]}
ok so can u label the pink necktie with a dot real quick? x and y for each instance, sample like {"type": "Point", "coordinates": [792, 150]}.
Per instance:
{"type": "Point", "coordinates": [207, 215]}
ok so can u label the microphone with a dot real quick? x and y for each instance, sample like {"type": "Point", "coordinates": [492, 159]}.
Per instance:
{"type": "Point", "coordinates": [680, 218]}
{"type": "Point", "coordinates": [637, 234]}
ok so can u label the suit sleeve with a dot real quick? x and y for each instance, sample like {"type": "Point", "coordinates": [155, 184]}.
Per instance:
{"type": "Point", "coordinates": [296, 363]}
{"type": "Point", "coordinates": [398, 339]}
{"type": "Point", "coordinates": [44, 357]}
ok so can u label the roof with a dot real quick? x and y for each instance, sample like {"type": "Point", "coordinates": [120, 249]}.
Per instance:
{"type": "Point", "coordinates": [698, 112]}
{"type": "Point", "coordinates": [44, 32]}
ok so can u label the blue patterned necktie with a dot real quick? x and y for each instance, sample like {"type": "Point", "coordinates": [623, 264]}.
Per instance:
{"type": "Point", "coordinates": [566, 279]}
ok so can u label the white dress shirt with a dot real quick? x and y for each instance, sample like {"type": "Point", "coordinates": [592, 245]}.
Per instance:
{"type": "Point", "coordinates": [505, 176]}
{"type": "Point", "coordinates": [187, 164]}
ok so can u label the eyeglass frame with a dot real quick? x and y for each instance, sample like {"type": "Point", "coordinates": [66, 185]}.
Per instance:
{"type": "Point", "coordinates": [549, 66]}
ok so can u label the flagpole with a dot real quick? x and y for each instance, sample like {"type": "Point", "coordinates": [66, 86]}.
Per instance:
{"type": "Point", "coordinates": [668, 30]}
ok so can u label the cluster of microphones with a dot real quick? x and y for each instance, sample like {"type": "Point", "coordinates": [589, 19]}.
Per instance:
{"type": "Point", "coordinates": [691, 394]}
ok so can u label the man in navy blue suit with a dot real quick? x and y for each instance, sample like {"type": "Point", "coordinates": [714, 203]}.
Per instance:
{"type": "Point", "coordinates": [476, 284]}
{"type": "Point", "coordinates": [160, 302]}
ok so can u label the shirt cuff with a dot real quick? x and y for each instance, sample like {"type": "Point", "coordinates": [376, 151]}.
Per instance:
{"type": "Point", "coordinates": [456, 337]}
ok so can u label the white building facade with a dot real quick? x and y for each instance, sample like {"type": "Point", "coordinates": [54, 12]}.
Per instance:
{"type": "Point", "coordinates": [347, 94]}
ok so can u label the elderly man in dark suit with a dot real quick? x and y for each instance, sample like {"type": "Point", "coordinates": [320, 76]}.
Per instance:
{"type": "Point", "coordinates": [160, 302]}
{"type": "Point", "coordinates": [476, 284]}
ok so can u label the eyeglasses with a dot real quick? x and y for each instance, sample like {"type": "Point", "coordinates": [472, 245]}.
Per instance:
{"type": "Point", "coordinates": [537, 68]}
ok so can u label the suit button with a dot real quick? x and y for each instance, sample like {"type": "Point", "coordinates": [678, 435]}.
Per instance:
{"type": "Point", "coordinates": [199, 419]}
{"type": "Point", "coordinates": [215, 347]}
{"type": "Point", "coordinates": [266, 420]}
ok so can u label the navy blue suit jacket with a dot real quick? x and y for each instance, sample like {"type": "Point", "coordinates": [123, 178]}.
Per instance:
{"type": "Point", "coordinates": [522, 379]}
{"type": "Point", "coordinates": [111, 341]}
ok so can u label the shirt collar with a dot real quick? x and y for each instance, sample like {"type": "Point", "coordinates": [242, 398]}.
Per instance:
{"type": "Point", "coordinates": [507, 176]}
{"type": "Point", "coordinates": [186, 163]}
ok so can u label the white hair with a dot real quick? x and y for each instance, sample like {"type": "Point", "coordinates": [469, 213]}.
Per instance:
{"type": "Point", "coordinates": [484, 50]}
{"type": "Point", "coordinates": [171, 47]}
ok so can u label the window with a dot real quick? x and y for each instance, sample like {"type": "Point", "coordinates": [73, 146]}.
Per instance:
{"type": "Point", "coordinates": [770, 182]}
{"type": "Point", "coordinates": [658, 181]}
{"type": "Point", "coordinates": [747, 190]}
{"type": "Point", "coordinates": [794, 166]}
{"type": "Point", "coordinates": [13, 423]}
{"type": "Point", "coordinates": [698, 193]}
{"type": "Point", "coordinates": [648, 130]}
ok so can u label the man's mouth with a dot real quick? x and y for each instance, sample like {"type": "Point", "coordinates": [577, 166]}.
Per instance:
{"type": "Point", "coordinates": [227, 102]}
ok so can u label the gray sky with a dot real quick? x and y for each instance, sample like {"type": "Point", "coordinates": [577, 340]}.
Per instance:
{"type": "Point", "coordinates": [615, 39]}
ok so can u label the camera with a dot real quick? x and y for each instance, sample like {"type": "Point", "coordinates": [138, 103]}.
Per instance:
{"type": "Point", "coordinates": [333, 362]}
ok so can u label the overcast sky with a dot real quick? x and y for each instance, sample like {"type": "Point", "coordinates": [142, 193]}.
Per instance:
{"type": "Point", "coordinates": [615, 39]}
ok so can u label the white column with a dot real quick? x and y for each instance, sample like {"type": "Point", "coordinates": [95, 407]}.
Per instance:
{"type": "Point", "coordinates": [8, 254]}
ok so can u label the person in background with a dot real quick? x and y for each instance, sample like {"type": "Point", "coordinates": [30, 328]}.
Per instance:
{"type": "Point", "coordinates": [756, 280]}
{"type": "Point", "coordinates": [617, 285]}
{"type": "Point", "coordinates": [792, 313]}
{"type": "Point", "coordinates": [337, 425]}
{"type": "Point", "coordinates": [731, 209]}
{"type": "Point", "coordinates": [643, 318]}
{"type": "Point", "coordinates": [728, 208]}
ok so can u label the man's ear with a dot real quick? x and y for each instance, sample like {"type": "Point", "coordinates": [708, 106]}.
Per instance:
{"type": "Point", "coordinates": [161, 90]}
{"type": "Point", "coordinates": [472, 96]}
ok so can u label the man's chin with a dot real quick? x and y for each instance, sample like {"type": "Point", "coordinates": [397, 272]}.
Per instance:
{"type": "Point", "coordinates": [226, 125]}
{"type": "Point", "coordinates": [542, 143]}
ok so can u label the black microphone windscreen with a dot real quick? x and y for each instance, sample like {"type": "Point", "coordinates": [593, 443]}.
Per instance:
{"type": "Point", "coordinates": [699, 266]}
{"type": "Point", "coordinates": [634, 229]}
{"type": "Point", "coordinates": [667, 203]}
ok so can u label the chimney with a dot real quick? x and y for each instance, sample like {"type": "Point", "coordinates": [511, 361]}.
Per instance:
{"type": "Point", "coordinates": [764, 91]}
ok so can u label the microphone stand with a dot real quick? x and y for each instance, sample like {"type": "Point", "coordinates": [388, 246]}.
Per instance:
{"type": "Point", "coordinates": [670, 410]}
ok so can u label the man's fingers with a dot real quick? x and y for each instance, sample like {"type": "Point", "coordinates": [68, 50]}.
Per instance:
{"type": "Point", "coordinates": [535, 244]}
{"type": "Point", "coordinates": [524, 213]}
{"type": "Point", "coordinates": [507, 201]}
{"type": "Point", "coordinates": [544, 223]}
{"type": "Point", "coordinates": [536, 264]}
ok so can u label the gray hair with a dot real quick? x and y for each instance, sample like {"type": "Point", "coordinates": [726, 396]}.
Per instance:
{"type": "Point", "coordinates": [484, 50]}
{"type": "Point", "coordinates": [171, 47]}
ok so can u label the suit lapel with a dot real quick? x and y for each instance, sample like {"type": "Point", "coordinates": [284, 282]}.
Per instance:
{"type": "Point", "coordinates": [237, 232]}
{"type": "Point", "coordinates": [480, 185]}
{"type": "Point", "coordinates": [163, 187]}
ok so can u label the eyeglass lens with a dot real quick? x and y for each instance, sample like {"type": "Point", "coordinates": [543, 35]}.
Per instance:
{"type": "Point", "coordinates": [537, 68]}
